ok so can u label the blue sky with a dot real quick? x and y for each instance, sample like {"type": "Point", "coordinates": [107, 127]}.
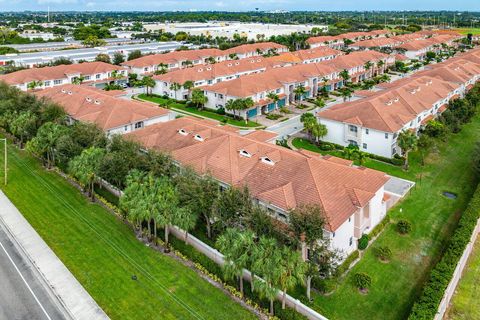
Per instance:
{"type": "Point", "coordinates": [238, 5]}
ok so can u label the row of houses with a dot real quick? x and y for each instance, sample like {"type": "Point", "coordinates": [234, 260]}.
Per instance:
{"type": "Point", "coordinates": [374, 122]}
{"type": "Point", "coordinates": [283, 82]}
{"type": "Point", "coordinates": [185, 58]}
{"type": "Point", "coordinates": [94, 73]}
{"type": "Point", "coordinates": [171, 83]}
{"type": "Point", "coordinates": [339, 41]}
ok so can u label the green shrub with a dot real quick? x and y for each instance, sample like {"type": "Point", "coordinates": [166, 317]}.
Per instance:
{"type": "Point", "coordinates": [347, 262]}
{"type": "Point", "coordinates": [323, 285]}
{"type": "Point", "coordinates": [273, 116]}
{"type": "Point", "coordinates": [363, 242]}
{"type": "Point", "coordinates": [362, 280]}
{"type": "Point", "coordinates": [326, 146]}
{"type": "Point", "coordinates": [404, 226]}
{"type": "Point", "coordinates": [285, 110]}
{"type": "Point", "coordinates": [220, 111]}
{"type": "Point", "coordinates": [379, 227]}
{"type": "Point", "coordinates": [427, 304]}
{"type": "Point", "coordinates": [383, 253]}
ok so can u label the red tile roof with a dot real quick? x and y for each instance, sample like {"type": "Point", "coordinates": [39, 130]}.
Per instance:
{"type": "Point", "coordinates": [293, 178]}
{"type": "Point", "coordinates": [84, 103]}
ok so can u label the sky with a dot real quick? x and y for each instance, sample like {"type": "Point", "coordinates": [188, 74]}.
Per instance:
{"type": "Point", "coordinates": [237, 5]}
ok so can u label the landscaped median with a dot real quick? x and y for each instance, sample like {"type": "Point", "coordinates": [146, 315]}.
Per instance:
{"type": "Point", "coordinates": [182, 107]}
{"type": "Point", "coordinates": [127, 279]}
{"type": "Point", "coordinates": [397, 284]}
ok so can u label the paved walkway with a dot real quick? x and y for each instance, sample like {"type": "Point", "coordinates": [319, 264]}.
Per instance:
{"type": "Point", "coordinates": [62, 283]}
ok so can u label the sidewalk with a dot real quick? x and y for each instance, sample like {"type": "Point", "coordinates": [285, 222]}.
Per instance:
{"type": "Point", "coordinates": [65, 287]}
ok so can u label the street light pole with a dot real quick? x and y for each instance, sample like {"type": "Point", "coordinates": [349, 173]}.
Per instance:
{"type": "Point", "coordinates": [6, 160]}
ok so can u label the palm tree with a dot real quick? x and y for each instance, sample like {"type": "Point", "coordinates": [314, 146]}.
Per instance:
{"type": "Point", "coordinates": [175, 87]}
{"type": "Point", "coordinates": [380, 65]}
{"type": "Point", "coordinates": [236, 247]}
{"type": "Point", "coordinates": [232, 105]}
{"type": "Point", "coordinates": [198, 98]}
{"type": "Point", "coordinates": [361, 157]}
{"type": "Point", "coordinates": [78, 80]}
{"type": "Point", "coordinates": [148, 82]}
{"type": "Point", "coordinates": [133, 200]}
{"type": "Point", "coordinates": [368, 65]}
{"type": "Point", "coordinates": [34, 84]}
{"type": "Point", "coordinates": [319, 131]}
{"type": "Point", "coordinates": [161, 68]}
{"type": "Point", "coordinates": [188, 63]}
{"type": "Point", "coordinates": [291, 271]}
{"type": "Point", "coordinates": [43, 144]}
{"type": "Point", "coordinates": [309, 121]}
{"type": "Point", "coordinates": [274, 97]}
{"type": "Point", "coordinates": [407, 140]}
{"type": "Point", "coordinates": [346, 94]}
{"type": "Point", "coordinates": [188, 85]}
{"type": "Point", "coordinates": [300, 92]}
{"type": "Point", "coordinates": [85, 167]}
{"type": "Point", "coordinates": [246, 104]}
{"type": "Point", "coordinates": [345, 76]}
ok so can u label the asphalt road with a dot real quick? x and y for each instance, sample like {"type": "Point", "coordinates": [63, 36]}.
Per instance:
{"type": "Point", "coordinates": [22, 294]}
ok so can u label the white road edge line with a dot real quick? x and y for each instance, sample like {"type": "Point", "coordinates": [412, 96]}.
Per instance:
{"type": "Point", "coordinates": [21, 276]}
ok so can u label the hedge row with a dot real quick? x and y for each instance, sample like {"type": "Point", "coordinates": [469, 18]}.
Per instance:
{"type": "Point", "coordinates": [427, 305]}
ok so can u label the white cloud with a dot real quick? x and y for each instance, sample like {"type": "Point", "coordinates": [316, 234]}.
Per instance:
{"type": "Point", "coordinates": [57, 1]}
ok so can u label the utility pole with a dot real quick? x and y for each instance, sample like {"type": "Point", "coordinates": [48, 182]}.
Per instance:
{"type": "Point", "coordinates": [6, 159]}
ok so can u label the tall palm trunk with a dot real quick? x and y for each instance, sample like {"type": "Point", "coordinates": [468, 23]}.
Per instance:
{"type": "Point", "coordinates": [309, 286]}
{"type": "Point", "coordinates": [271, 307]}
{"type": "Point", "coordinates": [284, 298]}
{"type": "Point", "coordinates": [149, 229]}
{"type": "Point", "coordinates": [155, 231]}
{"type": "Point", "coordinates": [252, 281]}
{"type": "Point", "coordinates": [166, 234]}
{"type": "Point", "coordinates": [241, 282]}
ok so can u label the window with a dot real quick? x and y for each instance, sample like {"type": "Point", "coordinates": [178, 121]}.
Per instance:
{"type": "Point", "coordinates": [220, 96]}
{"type": "Point", "coordinates": [46, 83]}
{"type": "Point", "coordinates": [57, 82]}
{"type": "Point", "coordinates": [126, 128]}
{"type": "Point", "coordinates": [97, 76]}
{"type": "Point", "coordinates": [364, 146]}
{"type": "Point", "coordinates": [352, 128]}
{"type": "Point", "coordinates": [333, 235]}
{"type": "Point", "coordinates": [351, 241]}
{"type": "Point", "coordinates": [386, 135]}
{"type": "Point", "coordinates": [139, 125]}
{"type": "Point", "coordinates": [349, 219]}
{"type": "Point", "coordinates": [367, 131]}
{"type": "Point", "coordinates": [87, 78]}
{"type": "Point", "coordinates": [419, 118]}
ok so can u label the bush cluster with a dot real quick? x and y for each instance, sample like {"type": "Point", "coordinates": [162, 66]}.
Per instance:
{"type": "Point", "coordinates": [383, 253]}
{"type": "Point", "coordinates": [363, 242]}
{"type": "Point", "coordinates": [362, 280]}
{"type": "Point", "coordinates": [404, 226]}
{"type": "Point", "coordinates": [427, 304]}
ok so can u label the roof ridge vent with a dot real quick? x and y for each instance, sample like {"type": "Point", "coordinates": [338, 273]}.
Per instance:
{"type": "Point", "coordinates": [69, 93]}
{"type": "Point", "coordinates": [88, 99]}
{"type": "Point", "coordinates": [198, 137]}
{"type": "Point", "coordinates": [63, 91]}
{"type": "Point", "coordinates": [245, 153]}
{"type": "Point", "coordinates": [183, 132]}
{"type": "Point", "coordinates": [97, 101]}
{"type": "Point", "coordinates": [267, 160]}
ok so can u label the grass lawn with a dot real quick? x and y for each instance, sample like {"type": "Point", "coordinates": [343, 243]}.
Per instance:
{"type": "Point", "coordinates": [396, 285]}
{"type": "Point", "coordinates": [103, 253]}
{"type": "Point", "coordinates": [204, 113]}
{"type": "Point", "coordinates": [465, 31]}
{"type": "Point", "coordinates": [466, 303]}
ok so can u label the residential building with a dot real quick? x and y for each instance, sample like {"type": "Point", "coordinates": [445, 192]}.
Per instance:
{"type": "Point", "coordinates": [94, 73]}
{"type": "Point", "coordinates": [352, 198]}
{"type": "Point", "coordinates": [338, 42]}
{"type": "Point", "coordinates": [375, 122]}
{"type": "Point", "coordinates": [106, 109]}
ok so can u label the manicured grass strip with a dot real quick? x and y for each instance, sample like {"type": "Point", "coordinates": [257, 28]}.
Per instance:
{"type": "Point", "coordinates": [103, 253]}
{"type": "Point", "coordinates": [465, 304]}
{"type": "Point", "coordinates": [396, 285]}
{"type": "Point", "coordinates": [397, 171]}
{"type": "Point", "coordinates": [203, 113]}
{"type": "Point", "coordinates": [466, 31]}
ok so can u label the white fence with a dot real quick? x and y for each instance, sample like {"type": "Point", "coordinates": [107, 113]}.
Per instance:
{"type": "Point", "coordinates": [217, 257]}
{"type": "Point", "coordinates": [457, 274]}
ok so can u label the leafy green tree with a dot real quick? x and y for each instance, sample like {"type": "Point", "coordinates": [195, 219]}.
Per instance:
{"type": "Point", "coordinates": [93, 41]}
{"type": "Point", "coordinates": [345, 76]}
{"type": "Point", "coordinates": [274, 97]}
{"type": "Point", "coordinates": [34, 84]}
{"type": "Point", "coordinates": [199, 98]}
{"type": "Point", "coordinates": [407, 141]}
{"type": "Point", "coordinates": [230, 208]}
{"type": "Point", "coordinates": [135, 54]}
{"type": "Point", "coordinates": [232, 105]}
{"type": "Point", "coordinates": [103, 57]}
{"type": "Point", "coordinates": [118, 58]}
{"type": "Point", "coordinates": [319, 131]}
{"type": "Point", "coordinates": [24, 126]}
{"type": "Point", "coordinates": [43, 144]}
{"type": "Point", "coordinates": [133, 198]}
{"type": "Point", "coordinates": [85, 168]}
{"type": "Point", "coordinates": [246, 104]}
{"type": "Point", "coordinates": [198, 194]}
{"type": "Point", "coordinates": [78, 80]}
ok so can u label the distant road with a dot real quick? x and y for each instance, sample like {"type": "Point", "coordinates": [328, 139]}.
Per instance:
{"type": "Point", "coordinates": [22, 294]}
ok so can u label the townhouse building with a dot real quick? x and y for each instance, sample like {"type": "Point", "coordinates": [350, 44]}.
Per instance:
{"type": "Point", "coordinates": [111, 113]}
{"type": "Point", "coordinates": [186, 58]}
{"type": "Point", "coordinates": [284, 81]}
{"type": "Point", "coordinates": [374, 122]}
{"type": "Point", "coordinates": [171, 83]}
{"type": "Point", "coordinates": [94, 73]}
{"type": "Point", "coordinates": [338, 42]}
{"type": "Point", "coordinates": [352, 198]}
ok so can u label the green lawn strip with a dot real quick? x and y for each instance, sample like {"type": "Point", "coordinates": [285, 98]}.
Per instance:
{"type": "Point", "coordinates": [203, 113]}
{"type": "Point", "coordinates": [301, 143]}
{"type": "Point", "coordinates": [466, 31]}
{"type": "Point", "coordinates": [466, 302]}
{"type": "Point", "coordinates": [103, 253]}
{"type": "Point", "coordinates": [396, 285]}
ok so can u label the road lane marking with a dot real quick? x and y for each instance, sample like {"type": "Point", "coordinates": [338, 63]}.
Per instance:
{"type": "Point", "coordinates": [21, 276]}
